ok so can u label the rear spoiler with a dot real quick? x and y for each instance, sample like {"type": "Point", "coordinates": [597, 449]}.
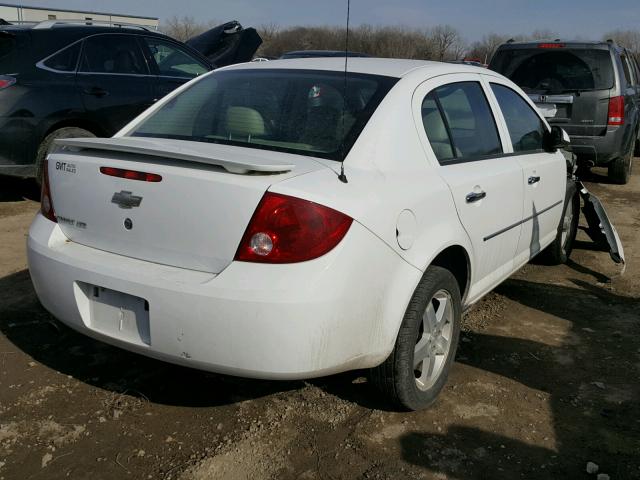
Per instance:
{"type": "Point", "coordinates": [197, 152]}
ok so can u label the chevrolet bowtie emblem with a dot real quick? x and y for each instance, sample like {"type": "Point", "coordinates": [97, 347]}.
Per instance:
{"type": "Point", "coordinates": [125, 199]}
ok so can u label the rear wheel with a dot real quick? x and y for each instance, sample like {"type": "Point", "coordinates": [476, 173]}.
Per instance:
{"type": "Point", "coordinates": [47, 143]}
{"type": "Point", "coordinates": [560, 250]}
{"type": "Point", "coordinates": [418, 367]}
{"type": "Point", "coordinates": [620, 169]}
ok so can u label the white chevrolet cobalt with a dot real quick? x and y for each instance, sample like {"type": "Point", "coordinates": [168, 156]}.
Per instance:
{"type": "Point", "coordinates": [285, 220]}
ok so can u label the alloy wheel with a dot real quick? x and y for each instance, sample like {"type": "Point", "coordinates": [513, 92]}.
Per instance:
{"type": "Point", "coordinates": [434, 340]}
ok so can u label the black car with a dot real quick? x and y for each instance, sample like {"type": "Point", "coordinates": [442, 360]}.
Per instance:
{"type": "Point", "coordinates": [591, 89]}
{"type": "Point", "coordinates": [61, 80]}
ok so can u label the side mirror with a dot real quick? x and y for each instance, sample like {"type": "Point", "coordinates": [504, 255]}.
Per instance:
{"type": "Point", "coordinates": [556, 139]}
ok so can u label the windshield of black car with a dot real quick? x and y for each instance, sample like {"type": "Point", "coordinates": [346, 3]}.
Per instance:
{"type": "Point", "coordinates": [314, 113]}
{"type": "Point", "coordinates": [557, 70]}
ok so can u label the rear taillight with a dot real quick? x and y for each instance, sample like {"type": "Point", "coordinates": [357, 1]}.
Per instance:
{"type": "Point", "coordinates": [616, 111]}
{"type": "Point", "coordinates": [6, 81]}
{"type": "Point", "coordinates": [287, 229]}
{"type": "Point", "coordinates": [46, 202]}
{"type": "Point", "coordinates": [130, 174]}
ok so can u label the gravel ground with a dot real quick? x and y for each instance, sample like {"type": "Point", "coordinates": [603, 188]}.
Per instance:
{"type": "Point", "coordinates": [546, 380]}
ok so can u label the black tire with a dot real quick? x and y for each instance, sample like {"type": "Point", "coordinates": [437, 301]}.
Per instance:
{"type": "Point", "coordinates": [559, 251]}
{"type": "Point", "coordinates": [45, 146]}
{"type": "Point", "coordinates": [620, 169]}
{"type": "Point", "coordinates": [396, 377]}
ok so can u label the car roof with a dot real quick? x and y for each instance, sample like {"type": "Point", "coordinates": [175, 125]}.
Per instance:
{"type": "Point", "coordinates": [321, 53]}
{"type": "Point", "coordinates": [80, 30]}
{"type": "Point", "coordinates": [46, 41]}
{"type": "Point", "coordinates": [389, 67]}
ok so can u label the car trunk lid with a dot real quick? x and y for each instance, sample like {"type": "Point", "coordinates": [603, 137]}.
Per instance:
{"type": "Point", "coordinates": [227, 44]}
{"type": "Point", "coordinates": [193, 217]}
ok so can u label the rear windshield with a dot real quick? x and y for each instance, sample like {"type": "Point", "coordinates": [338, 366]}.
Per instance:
{"type": "Point", "coordinates": [561, 70]}
{"type": "Point", "coordinates": [297, 111]}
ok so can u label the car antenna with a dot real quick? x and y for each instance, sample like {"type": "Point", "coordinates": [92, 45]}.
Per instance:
{"type": "Point", "coordinates": [342, 177]}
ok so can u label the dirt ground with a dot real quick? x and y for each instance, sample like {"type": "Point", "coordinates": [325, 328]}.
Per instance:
{"type": "Point", "coordinates": [546, 380]}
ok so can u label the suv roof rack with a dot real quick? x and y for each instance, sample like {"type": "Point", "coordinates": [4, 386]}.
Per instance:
{"type": "Point", "coordinates": [46, 24]}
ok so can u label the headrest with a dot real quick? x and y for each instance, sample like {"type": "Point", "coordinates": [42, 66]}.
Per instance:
{"type": "Point", "coordinates": [245, 122]}
{"type": "Point", "coordinates": [434, 126]}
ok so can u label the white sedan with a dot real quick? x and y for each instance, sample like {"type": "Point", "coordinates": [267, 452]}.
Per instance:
{"type": "Point", "coordinates": [283, 220]}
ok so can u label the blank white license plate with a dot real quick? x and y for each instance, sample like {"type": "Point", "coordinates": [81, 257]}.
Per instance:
{"type": "Point", "coordinates": [119, 315]}
{"type": "Point", "coordinates": [548, 110]}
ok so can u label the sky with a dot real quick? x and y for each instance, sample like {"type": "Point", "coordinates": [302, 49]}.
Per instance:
{"type": "Point", "coordinates": [569, 18]}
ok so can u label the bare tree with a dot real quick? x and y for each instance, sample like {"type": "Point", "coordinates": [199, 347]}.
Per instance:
{"type": "Point", "coordinates": [543, 34]}
{"type": "Point", "coordinates": [484, 49]}
{"type": "Point", "coordinates": [627, 38]}
{"type": "Point", "coordinates": [393, 42]}
{"type": "Point", "coordinates": [442, 42]}
{"type": "Point", "coordinates": [447, 42]}
{"type": "Point", "coordinates": [184, 28]}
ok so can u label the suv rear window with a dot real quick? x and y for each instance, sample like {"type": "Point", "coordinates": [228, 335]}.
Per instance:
{"type": "Point", "coordinates": [557, 70]}
{"type": "Point", "coordinates": [295, 111]}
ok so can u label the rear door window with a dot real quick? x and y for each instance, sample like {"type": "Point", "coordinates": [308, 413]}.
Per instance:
{"type": "Point", "coordinates": [636, 70]}
{"type": "Point", "coordinates": [64, 61]}
{"type": "Point", "coordinates": [555, 70]}
{"type": "Point", "coordinates": [627, 69]}
{"type": "Point", "coordinates": [635, 62]}
{"type": "Point", "coordinates": [459, 124]}
{"type": "Point", "coordinates": [526, 129]}
{"type": "Point", "coordinates": [113, 54]}
{"type": "Point", "coordinates": [172, 61]}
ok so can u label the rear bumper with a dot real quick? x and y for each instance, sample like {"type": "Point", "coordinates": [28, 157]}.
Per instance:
{"type": "Point", "coordinates": [601, 150]}
{"type": "Point", "coordinates": [336, 313]}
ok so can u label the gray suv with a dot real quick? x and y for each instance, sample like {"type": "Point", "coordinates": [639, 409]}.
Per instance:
{"type": "Point", "coordinates": [590, 89]}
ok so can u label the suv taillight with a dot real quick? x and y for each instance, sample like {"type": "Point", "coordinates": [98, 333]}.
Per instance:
{"type": "Point", "coordinates": [46, 202]}
{"type": "Point", "coordinates": [6, 81]}
{"type": "Point", "coordinates": [616, 111]}
{"type": "Point", "coordinates": [287, 229]}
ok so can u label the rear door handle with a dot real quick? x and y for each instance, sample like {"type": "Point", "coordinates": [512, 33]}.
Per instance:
{"type": "Point", "coordinates": [533, 180]}
{"type": "Point", "coordinates": [475, 196]}
{"type": "Point", "coordinates": [96, 92]}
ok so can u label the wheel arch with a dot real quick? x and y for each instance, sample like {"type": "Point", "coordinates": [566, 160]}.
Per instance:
{"type": "Point", "coordinates": [456, 259]}
{"type": "Point", "coordinates": [73, 122]}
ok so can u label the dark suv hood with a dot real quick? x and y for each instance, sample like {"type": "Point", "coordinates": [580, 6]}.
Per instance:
{"type": "Point", "coordinates": [227, 44]}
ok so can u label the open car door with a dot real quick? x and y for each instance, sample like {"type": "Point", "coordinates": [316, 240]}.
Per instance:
{"type": "Point", "coordinates": [227, 44]}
